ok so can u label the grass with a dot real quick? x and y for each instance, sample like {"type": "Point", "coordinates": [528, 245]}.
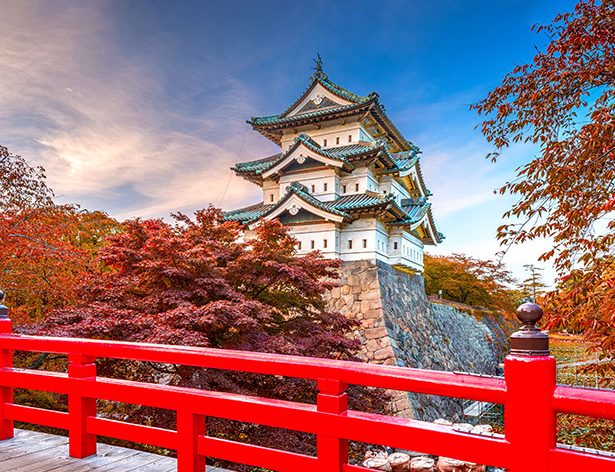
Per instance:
{"type": "Point", "coordinates": [580, 430]}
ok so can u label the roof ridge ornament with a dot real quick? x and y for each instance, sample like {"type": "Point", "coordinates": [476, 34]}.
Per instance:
{"type": "Point", "coordinates": [319, 73]}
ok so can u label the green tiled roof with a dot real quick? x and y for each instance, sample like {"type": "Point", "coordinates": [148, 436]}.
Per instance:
{"type": "Point", "coordinates": [342, 153]}
{"type": "Point", "coordinates": [249, 213]}
{"type": "Point", "coordinates": [271, 125]}
{"type": "Point", "coordinates": [252, 213]}
{"type": "Point", "coordinates": [279, 119]}
{"type": "Point", "coordinates": [343, 206]}
{"type": "Point", "coordinates": [353, 150]}
{"type": "Point", "coordinates": [415, 210]}
{"type": "Point", "coordinates": [302, 191]}
{"type": "Point", "coordinates": [396, 162]}
{"type": "Point", "coordinates": [409, 212]}
{"type": "Point", "coordinates": [257, 166]}
{"type": "Point", "coordinates": [322, 79]}
{"type": "Point", "coordinates": [359, 201]}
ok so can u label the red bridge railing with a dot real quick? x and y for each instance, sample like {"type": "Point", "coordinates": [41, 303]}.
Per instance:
{"type": "Point", "coordinates": [528, 392]}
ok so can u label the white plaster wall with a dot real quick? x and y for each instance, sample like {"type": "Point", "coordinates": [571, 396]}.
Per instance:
{"type": "Point", "coordinates": [361, 176]}
{"type": "Point", "coordinates": [271, 191]}
{"type": "Point", "coordinates": [329, 136]}
{"type": "Point", "coordinates": [315, 182]}
{"type": "Point", "coordinates": [406, 249]}
{"type": "Point", "coordinates": [369, 240]}
{"type": "Point", "coordinates": [390, 184]}
{"type": "Point", "coordinates": [315, 235]}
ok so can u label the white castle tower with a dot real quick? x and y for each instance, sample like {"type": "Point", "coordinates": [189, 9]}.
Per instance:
{"type": "Point", "coordinates": [345, 180]}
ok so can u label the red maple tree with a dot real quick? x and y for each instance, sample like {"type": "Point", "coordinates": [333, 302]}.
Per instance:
{"type": "Point", "coordinates": [196, 283]}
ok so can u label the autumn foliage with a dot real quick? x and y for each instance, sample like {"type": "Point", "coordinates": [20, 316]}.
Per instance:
{"type": "Point", "coordinates": [563, 104]}
{"type": "Point", "coordinates": [470, 281]}
{"type": "Point", "coordinates": [196, 283]}
{"type": "Point", "coordinates": [47, 248]}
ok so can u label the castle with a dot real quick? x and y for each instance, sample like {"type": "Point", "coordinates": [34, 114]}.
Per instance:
{"type": "Point", "coordinates": [345, 180]}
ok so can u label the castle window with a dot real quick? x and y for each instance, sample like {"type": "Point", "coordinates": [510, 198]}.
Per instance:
{"type": "Point", "coordinates": [350, 244]}
{"type": "Point", "coordinates": [364, 243]}
{"type": "Point", "coordinates": [395, 245]}
{"type": "Point", "coordinates": [312, 244]}
{"type": "Point", "coordinates": [324, 142]}
{"type": "Point", "coordinates": [299, 245]}
{"type": "Point", "coordinates": [350, 138]}
{"type": "Point", "coordinates": [343, 189]}
{"type": "Point", "coordinates": [313, 188]}
{"type": "Point", "coordinates": [324, 243]}
{"type": "Point", "coordinates": [337, 140]}
{"type": "Point", "coordinates": [324, 187]}
{"type": "Point", "coordinates": [271, 197]}
{"type": "Point", "coordinates": [356, 187]}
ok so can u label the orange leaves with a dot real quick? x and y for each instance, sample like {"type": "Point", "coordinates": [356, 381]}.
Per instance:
{"type": "Point", "coordinates": [609, 205]}
{"type": "Point", "coordinates": [47, 253]}
{"type": "Point", "coordinates": [470, 281]}
{"type": "Point", "coordinates": [564, 102]}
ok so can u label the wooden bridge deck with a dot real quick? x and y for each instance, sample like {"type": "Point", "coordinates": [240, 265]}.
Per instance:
{"type": "Point", "coordinates": [31, 451]}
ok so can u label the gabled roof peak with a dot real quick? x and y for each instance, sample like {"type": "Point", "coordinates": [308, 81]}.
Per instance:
{"type": "Point", "coordinates": [318, 72]}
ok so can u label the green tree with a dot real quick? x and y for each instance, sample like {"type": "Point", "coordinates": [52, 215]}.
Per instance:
{"type": "Point", "coordinates": [533, 286]}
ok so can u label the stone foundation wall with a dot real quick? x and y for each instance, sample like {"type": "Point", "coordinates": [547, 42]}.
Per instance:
{"type": "Point", "coordinates": [399, 326]}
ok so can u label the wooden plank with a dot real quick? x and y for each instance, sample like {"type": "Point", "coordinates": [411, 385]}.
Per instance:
{"type": "Point", "coordinates": [161, 464]}
{"type": "Point", "coordinates": [140, 459]}
{"type": "Point", "coordinates": [107, 455]}
{"type": "Point", "coordinates": [17, 447]}
{"type": "Point", "coordinates": [31, 451]}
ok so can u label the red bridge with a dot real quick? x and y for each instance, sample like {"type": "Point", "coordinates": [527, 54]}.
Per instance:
{"type": "Point", "coordinates": [528, 392]}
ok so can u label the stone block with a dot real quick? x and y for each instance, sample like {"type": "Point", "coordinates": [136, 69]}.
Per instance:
{"type": "Point", "coordinates": [399, 462]}
{"type": "Point", "coordinates": [372, 345]}
{"type": "Point", "coordinates": [375, 304]}
{"type": "Point", "coordinates": [384, 353]}
{"type": "Point", "coordinates": [401, 405]}
{"type": "Point", "coordinates": [375, 333]}
{"type": "Point", "coordinates": [422, 464]}
{"type": "Point", "coordinates": [473, 467]}
{"type": "Point", "coordinates": [369, 280]}
{"type": "Point", "coordinates": [336, 292]}
{"type": "Point", "coordinates": [345, 289]}
{"type": "Point", "coordinates": [369, 295]}
{"type": "Point", "coordinates": [377, 463]}
{"type": "Point", "coordinates": [446, 464]}
{"type": "Point", "coordinates": [364, 305]}
{"type": "Point", "coordinates": [373, 314]}
{"type": "Point", "coordinates": [354, 280]}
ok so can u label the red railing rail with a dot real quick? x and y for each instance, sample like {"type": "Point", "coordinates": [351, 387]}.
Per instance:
{"type": "Point", "coordinates": [528, 392]}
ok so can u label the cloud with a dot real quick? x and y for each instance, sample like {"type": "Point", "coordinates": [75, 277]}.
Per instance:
{"type": "Point", "coordinates": [101, 122]}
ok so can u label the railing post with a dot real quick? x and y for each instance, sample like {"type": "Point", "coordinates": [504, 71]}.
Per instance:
{"type": "Point", "coordinates": [332, 451]}
{"type": "Point", "coordinates": [189, 428]}
{"type": "Point", "coordinates": [529, 416]}
{"type": "Point", "coordinates": [81, 443]}
{"type": "Point", "coordinates": [6, 361]}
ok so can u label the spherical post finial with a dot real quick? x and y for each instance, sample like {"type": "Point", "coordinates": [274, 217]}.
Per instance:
{"type": "Point", "coordinates": [529, 340]}
{"type": "Point", "coordinates": [529, 313]}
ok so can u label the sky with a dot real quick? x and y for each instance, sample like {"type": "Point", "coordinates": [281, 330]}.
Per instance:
{"type": "Point", "coordinates": [139, 108]}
